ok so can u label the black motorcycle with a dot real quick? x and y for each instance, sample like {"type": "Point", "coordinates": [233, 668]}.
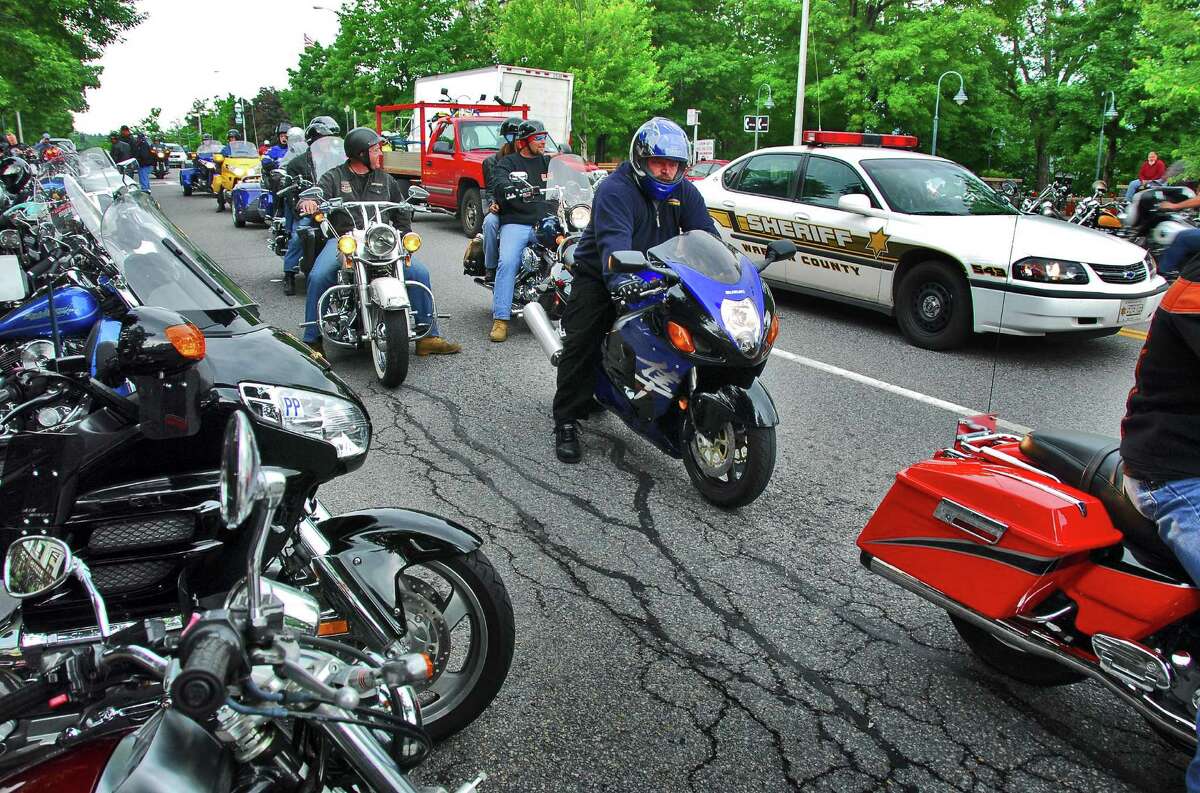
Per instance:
{"type": "Point", "coordinates": [132, 487]}
{"type": "Point", "coordinates": [162, 161]}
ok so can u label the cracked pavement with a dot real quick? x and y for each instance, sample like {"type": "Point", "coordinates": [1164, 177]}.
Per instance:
{"type": "Point", "coordinates": [665, 645]}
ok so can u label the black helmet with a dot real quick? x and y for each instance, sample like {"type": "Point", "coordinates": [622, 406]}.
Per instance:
{"type": "Point", "coordinates": [206, 136]}
{"type": "Point", "coordinates": [282, 128]}
{"type": "Point", "coordinates": [233, 133]}
{"type": "Point", "coordinates": [15, 173]}
{"type": "Point", "coordinates": [320, 127]}
{"type": "Point", "coordinates": [508, 127]}
{"type": "Point", "coordinates": [358, 141]}
{"type": "Point", "coordinates": [528, 127]}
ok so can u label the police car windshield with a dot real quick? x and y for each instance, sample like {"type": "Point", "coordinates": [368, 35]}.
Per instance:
{"type": "Point", "coordinates": [703, 253]}
{"type": "Point", "coordinates": [932, 187]}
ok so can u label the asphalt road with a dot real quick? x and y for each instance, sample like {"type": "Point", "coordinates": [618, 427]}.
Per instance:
{"type": "Point", "coordinates": [665, 645]}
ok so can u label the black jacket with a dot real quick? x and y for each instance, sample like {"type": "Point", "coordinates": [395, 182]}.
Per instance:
{"type": "Point", "coordinates": [525, 212]}
{"type": "Point", "coordinates": [1160, 435]}
{"type": "Point", "coordinates": [302, 166]}
{"type": "Point", "coordinates": [341, 182]}
{"type": "Point", "coordinates": [121, 150]}
{"type": "Point", "coordinates": [624, 219]}
{"type": "Point", "coordinates": [489, 170]}
{"type": "Point", "coordinates": [142, 150]}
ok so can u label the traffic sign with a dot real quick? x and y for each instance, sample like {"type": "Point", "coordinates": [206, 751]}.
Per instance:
{"type": "Point", "coordinates": [705, 149]}
{"type": "Point", "coordinates": [756, 123]}
{"type": "Point", "coordinates": [693, 117]}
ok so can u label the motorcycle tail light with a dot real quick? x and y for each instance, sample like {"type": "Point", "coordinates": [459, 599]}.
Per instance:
{"type": "Point", "coordinates": [680, 337]}
{"type": "Point", "coordinates": [187, 340]}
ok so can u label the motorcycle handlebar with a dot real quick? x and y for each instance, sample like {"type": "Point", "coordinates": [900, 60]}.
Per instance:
{"type": "Point", "coordinates": [25, 699]}
{"type": "Point", "coordinates": [213, 655]}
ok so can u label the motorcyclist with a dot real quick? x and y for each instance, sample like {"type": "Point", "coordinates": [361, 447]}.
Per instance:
{"type": "Point", "coordinates": [280, 148]}
{"type": "Point", "coordinates": [362, 178]}
{"type": "Point", "coordinates": [645, 202]}
{"type": "Point", "coordinates": [522, 204]}
{"type": "Point", "coordinates": [302, 168]}
{"type": "Point", "coordinates": [1160, 434]}
{"type": "Point", "coordinates": [1186, 242]}
{"type": "Point", "coordinates": [43, 144]}
{"type": "Point", "coordinates": [491, 221]}
{"type": "Point", "coordinates": [198, 170]}
{"type": "Point", "coordinates": [231, 137]}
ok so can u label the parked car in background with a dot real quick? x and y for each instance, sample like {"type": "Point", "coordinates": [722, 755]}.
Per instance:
{"type": "Point", "coordinates": [177, 157]}
{"type": "Point", "coordinates": [703, 168]}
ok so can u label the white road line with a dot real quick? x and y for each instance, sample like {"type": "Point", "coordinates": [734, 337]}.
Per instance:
{"type": "Point", "coordinates": [893, 389]}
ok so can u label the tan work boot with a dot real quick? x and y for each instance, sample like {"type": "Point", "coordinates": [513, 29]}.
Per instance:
{"type": "Point", "coordinates": [436, 345]}
{"type": "Point", "coordinates": [499, 330]}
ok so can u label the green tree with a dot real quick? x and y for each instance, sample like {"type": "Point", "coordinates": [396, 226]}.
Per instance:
{"type": "Point", "coordinates": [604, 43]}
{"type": "Point", "coordinates": [1170, 72]}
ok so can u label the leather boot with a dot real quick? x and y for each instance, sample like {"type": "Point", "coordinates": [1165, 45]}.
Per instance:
{"type": "Point", "coordinates": [436, 345]}
{"type": "Point", "coordinates": [566, 442]}
{"type": "Point", "coordinates": [289, 284]}
{"type": "Point", "coordinates": [499, 330]}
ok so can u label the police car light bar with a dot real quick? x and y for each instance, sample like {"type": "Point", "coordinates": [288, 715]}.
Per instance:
{"type": "Point", "coordinates": [822, 138]}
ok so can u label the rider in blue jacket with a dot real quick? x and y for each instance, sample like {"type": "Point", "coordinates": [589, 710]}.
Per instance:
{"type": "Point", "coordinates": [280, 148]}
{"type": "Point", "coordinates": [645, 202]}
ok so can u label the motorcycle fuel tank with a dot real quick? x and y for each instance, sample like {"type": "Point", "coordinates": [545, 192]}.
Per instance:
{"type": "Point", "coordinates": [76, 310]}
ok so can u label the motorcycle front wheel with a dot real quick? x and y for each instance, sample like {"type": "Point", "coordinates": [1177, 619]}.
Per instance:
{"type": "Point", "coordinates": [731, 468]}
{"type": "Point", "coordinates": [389, 345]}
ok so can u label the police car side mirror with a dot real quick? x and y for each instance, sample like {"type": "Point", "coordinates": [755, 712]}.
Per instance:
{"type": "Point", "coordinates": [778, 250]}
{"type": "Point", "coordinates": [859, 204]}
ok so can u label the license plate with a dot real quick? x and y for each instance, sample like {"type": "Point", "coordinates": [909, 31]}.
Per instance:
{"type": "Point", "coordinates": [1131, 309]}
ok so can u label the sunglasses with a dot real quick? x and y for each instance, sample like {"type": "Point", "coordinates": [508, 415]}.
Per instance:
{"type": "Point", "coordinates": [539, 136]}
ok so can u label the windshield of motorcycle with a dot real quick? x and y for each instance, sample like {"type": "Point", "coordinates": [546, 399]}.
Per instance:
{"type": "Point", "coordinates": [161, 265]}
{"type": "Point", "coordinates": [295, 149]}
{"type": "Point", "coordinates": [86, 208]}
{"type": "Point", "coordinates": [568, 180]}
{"type": "Point", "coordinates": [208, 147]}
{"type": "Point", "coordinates": [241, 148]}
{"type": "Point", "coordinates": [96, 173]}
{"type": "Point", "coordinates": [327, 153]}
{"type": "Point", "coordinates": [702, 252]}
{"type": "Point", "coordinates": [931, 187]}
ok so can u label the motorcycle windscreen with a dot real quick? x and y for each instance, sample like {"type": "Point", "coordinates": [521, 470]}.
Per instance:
{"type": "Point", "coordinates": [96, 172]}
{"type": "Point", "coordinates": [296, 147]}
{"type": "Point", "coordinates": [702, 252]}
{"type": "Point", "coordinates": [208, 147]}
{"type": "Point", "coordinates": [569, 172]}
{"type": "Point", "coordinates": [161, 265]}
{"type": "Point", "coordinates": [241, 148]}
{"type": "Point", "coordinates": [327, 153]}
{"type": "Point", "coordinates": [85, 207]}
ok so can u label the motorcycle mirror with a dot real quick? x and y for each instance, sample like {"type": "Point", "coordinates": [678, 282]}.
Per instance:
{"type": "Point", "coordinates": [128, 167]}
{"type": "Point", "coordinates": [779, 250]}
{"type": "Point", "coordinates": [36, 565]}
{"type": "Point", "coordinates": [627, 262]}
{"type": "Point", "coordinates": [239, 471]}
{"type": "Point", "coordinates": [417, 194]}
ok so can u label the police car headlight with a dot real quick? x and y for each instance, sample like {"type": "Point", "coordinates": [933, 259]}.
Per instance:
{"type": "Point", "coordinates": [321, 417]}
{"type": "Point", "coordinates": [239, 171]}
{"type": "Point", "coordinates": [1050, 271]}
{"type": "Point", "coordinates": [380, 241]}
{"type": "Point", "coordinates": [580, 216]}
{"type": "Point", "coordinates": [741, 319]}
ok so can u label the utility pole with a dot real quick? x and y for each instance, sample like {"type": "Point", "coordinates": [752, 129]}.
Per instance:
{"type": "Point", "coordinates": [20, 132]}
{"type": "Point", "coordinates": [798, 131]}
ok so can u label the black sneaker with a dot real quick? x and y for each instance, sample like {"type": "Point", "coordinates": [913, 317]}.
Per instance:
{"type": "Point", "coordinates": [489, 277]}
{"type": "Point", "coordinates": [289, 283]}
{"type": "Point", "coordinates": [566, 442]}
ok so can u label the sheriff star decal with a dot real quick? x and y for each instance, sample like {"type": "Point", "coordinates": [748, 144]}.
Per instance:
{"type": "Point", "coordinates": [877, 243]}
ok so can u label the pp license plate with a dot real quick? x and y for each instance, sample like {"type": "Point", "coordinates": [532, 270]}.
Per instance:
{"type": "Point", "coordinates": [1131, 310]}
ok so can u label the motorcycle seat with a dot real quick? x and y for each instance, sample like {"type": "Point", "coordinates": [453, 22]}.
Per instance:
{"type": "Point", "coordinates": [1092, 463]}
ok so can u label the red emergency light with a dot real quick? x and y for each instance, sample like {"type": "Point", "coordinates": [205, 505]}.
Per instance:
{"type": "Point", "coordinates": [822, 138]}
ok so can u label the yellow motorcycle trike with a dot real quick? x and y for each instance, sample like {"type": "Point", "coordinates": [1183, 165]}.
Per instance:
{"type": "Point", "coordinates": [242, 161]}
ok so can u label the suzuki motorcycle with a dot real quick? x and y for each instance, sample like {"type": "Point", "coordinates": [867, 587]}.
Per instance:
{"type": "Point", "coordinates": [1047, 570]}
{"type": "Point", "coordinates": [137, 482]}
{"type": "Point", "coordinates": [681, 365]}
{"type": "Point", "coordinates": [260, 699]}
{"type": "Point", "coordinates": [543, 275]}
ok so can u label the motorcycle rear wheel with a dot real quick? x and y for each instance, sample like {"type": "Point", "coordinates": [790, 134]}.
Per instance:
{"type": "Point", "coordinates": [187, 189]}
{"type": "Point", "coordinates": [389, 346]}
{"type": "Point", "coordinates": [1033, 670]}
{"type": "Point", "coordinates": [748, 457]}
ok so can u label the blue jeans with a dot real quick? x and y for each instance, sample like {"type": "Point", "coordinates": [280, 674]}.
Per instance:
{"type": "Point", "coordinates": [1186, 244]}
{"type": "Point", "coordinates": [324, 275]}
{"type": "Point", "coordinates": [1134, 186]}
{"type": "Point", "coordinates": [491, 240]}
{"type": "Point", "coordinates": [144, 177]}
{"type": "Point", "coordinates": [513, 239]}
{"type": "Point", "coordinates": [1175, 507]}
{"type": "Point", "coordinates": [291, 259]}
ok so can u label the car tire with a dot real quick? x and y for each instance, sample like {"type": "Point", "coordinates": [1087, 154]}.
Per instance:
{"type": "Point", "coordinates": [187, 189]}
{"type": "Point", "coordinates": [470, 211]}
{"type": "Point", "coordinates": [933, 306]}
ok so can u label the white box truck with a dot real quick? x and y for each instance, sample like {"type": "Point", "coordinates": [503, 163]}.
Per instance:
{"type": "Point", "coordinates": [547, 93]}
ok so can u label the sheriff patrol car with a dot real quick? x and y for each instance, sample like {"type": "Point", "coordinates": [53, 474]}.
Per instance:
{"type": "Point", "coordinates": [924, 239]}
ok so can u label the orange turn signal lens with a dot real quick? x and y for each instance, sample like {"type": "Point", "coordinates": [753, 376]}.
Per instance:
{"type": "Point", "coordinates": [681, 337]}
{"type": "Point", "coordinates": [773, 331]}
{"type": "Point", "coordinates": [187, 340]}
{"type": "Point", "coordinates": [333, 628]}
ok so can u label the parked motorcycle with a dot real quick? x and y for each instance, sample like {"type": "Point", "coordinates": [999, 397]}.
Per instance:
{"type": "Point", "coordinates": [681, 364]}
{"type": "Point", "coordinates": [260, 700]}
{"type": "Point", "coordinates": [137, 483]}
{"type": "Point", "coordinates": [1095, 212]}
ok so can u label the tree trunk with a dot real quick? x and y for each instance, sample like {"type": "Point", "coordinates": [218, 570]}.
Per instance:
{"type": "Point", "coordinates": [1042, 154]}
{"type": "Point", "coordinates": [1106, 173]}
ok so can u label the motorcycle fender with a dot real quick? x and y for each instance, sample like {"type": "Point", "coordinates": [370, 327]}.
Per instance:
{"type": "Point", "coordinates": [388, 293]}
{"type": "Point", "coordinates": [752, 407]}
{"type": "Point", "coordinates": [415, 535]}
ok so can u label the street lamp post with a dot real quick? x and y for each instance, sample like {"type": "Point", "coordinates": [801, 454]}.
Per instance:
{"type": "Point", "coordinates": [770, 103]}
{"type": "Point", "coordinates": [1108, 114]}
{"type": "Point", "coordinates": [960, 98]}
{"type": "Point", "coordinates": [346, 110]}
{"type": "Point", "coordinates": [338, 14]}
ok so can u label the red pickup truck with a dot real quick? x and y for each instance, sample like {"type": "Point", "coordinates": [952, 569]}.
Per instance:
{"type": "Point", "coordinates": [445, 153]}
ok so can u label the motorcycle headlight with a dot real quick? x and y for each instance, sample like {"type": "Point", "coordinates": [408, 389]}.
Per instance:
{"type": "Point", "coordinates": [412, 242]}
{"type": "Point", "coordinates": [741, 319]}
{"type": "Point", "coordinates": [321, 417]}
{"type": "Point", "coordinates": [580, 216]}
{"type": "Point", "coordinates": [380, 241]}
{"type": "Point", "coordinates": [239, 171]}
{"type": "Point", "coordinates": [1050, 271]}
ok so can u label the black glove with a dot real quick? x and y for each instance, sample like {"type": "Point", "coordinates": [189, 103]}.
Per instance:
{"type": "Point", "coordinates": [631, 290]}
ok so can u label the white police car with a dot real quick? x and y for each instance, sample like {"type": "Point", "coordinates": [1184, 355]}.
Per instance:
{"type": "Point", "coordinates": [920, 237]}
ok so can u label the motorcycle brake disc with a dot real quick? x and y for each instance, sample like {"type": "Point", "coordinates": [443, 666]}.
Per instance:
{"type": "Point", "coordinates": [427, 629]}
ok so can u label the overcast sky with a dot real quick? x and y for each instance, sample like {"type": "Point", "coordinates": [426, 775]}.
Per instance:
{"type": "Point", "coordinates": [166, 61]}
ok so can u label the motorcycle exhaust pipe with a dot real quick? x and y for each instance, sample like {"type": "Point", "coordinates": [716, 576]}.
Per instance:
{"type": "Point", "coordinates": [544, 331]}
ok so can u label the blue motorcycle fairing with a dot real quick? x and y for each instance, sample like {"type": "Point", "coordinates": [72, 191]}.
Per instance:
{"type": "Point", "coordinates": [75, 309]}
{"type": "Point", "coordinates": [711, 293]}
{"type": "Point", "coordinates": [251, 200]}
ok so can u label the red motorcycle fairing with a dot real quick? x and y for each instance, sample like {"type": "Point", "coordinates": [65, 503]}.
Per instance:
{"type": "Point", "coordinates": [75, 770]}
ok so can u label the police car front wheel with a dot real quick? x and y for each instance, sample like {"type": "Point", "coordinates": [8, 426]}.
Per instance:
{"type": "Point", "coordinates": [933, 306]}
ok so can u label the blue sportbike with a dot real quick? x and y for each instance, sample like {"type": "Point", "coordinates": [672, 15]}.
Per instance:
{"type": "Point", "coordinates": [681, 365]}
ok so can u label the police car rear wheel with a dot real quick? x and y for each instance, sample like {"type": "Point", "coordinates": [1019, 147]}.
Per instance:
{"type": "Point", "coordinates": [933, 306]}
